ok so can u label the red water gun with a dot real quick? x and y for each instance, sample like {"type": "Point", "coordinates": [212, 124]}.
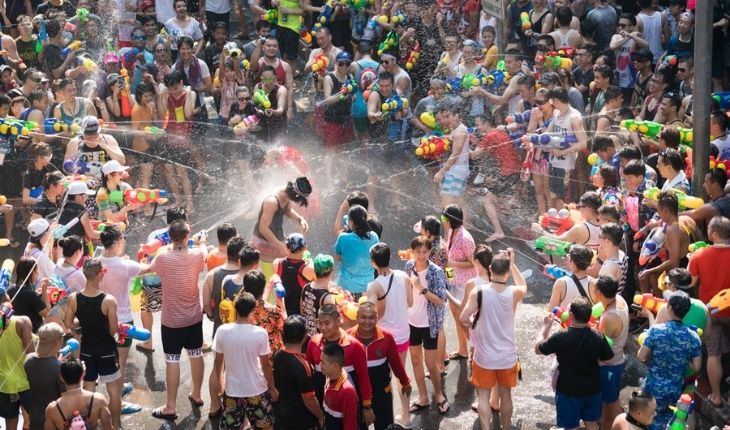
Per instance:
{"type": "Point", "coordinates": [320, 64]}
{"type": "Point", "coordinates": [432, 147]}
{"type": "Point", "coordinates": [557, 222]}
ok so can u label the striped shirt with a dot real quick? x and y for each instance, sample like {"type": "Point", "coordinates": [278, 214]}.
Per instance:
{"type": "Point", "coordinates": [179, 273]}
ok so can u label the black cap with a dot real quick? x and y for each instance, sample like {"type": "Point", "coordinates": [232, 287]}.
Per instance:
{"type": "Point", "coordinates": [302, 186]}
{"type": "Point", "coordinates": [643, 53]}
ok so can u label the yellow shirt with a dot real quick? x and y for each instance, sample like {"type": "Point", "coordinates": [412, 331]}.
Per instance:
{"type": "Point", "coordinates": [490, 58]}
{"type": "Point", "coordinates": [13, 379]}
{"type": "Point", "coordinates": [292, 22]}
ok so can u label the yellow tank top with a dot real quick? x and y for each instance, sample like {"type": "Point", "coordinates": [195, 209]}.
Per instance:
{"type": "Point", "coordinates": [12, 359]}
{"type": "Point", "coordinates": [292, 22]}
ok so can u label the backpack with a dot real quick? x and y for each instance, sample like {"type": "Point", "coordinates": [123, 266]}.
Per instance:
{"type": "Point", "coordinates": [365, 77]}
{"type": "Point", "coordinates": [226, 308]}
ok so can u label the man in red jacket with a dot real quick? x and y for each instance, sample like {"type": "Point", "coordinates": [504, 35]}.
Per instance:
{"type": "Point", "coordinates": [382, 356]}
{"type": "Point", "coordinates": [356, 362]}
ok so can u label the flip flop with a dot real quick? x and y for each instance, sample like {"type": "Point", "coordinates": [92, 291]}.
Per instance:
{"type": "Point", "coordinates": [144, 349]}
{"type": "Point", "coordinates": [127, 388]}
{"type": "Point", "coordinates": [457, 357]}
{"type": "Point", "coordinates": [717, 405]}
{"type": "Point", "coordinates": [157, 413]}
{"type": "Point", "coordinates": [197, 404]}
{"type": "Point", "coordinates": [441, 405]}
{"type": "Point", "coordinates": [130, 408]}
{"type": "Point", "coordinates": [416, 407]}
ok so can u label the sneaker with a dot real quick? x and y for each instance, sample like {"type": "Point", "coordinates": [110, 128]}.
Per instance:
{"type": "Point", "coordinates": [127, 388]}
{"type": "Point", "coordinates": [638, 324]}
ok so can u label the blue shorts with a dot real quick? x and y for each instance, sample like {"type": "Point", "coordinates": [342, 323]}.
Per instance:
{"type": "Point", "coordinates": [611, 382]}
{"type": "Point", "coordinates": [453, 185]}
{"type": "Point", "coordinates": [573, 409]}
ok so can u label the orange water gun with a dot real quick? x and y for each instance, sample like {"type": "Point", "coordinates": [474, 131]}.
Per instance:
{"type": "Point", "coordinates": [124, 95]}
{"type": "Point", "coordinates": [649, 301]}
{"type": "Point", "coordinates": [719, 302]}
{"type": "Point", "coordinates": [320, 64]}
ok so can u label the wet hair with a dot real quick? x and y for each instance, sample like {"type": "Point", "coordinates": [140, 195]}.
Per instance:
{"type": "Point", "coordinates": [70, 245]}
{"type": "Point", "coordinates": [386, 76]}
{"type": "Point", "coordinates": [175, 213]}
{"type": "Point", "coordinates": [679, 303]}
{"type": "Point", "coordinates": [185, 40]}
{"type": "Point", "coordinates": [607, 285]}
{"type": "Point", "coordinates": [640, 400]}
{"type": "Point", "coordinates": [333, 351]}
{"type": "Point", "coordinates": [245, 303]}
{"type": "Point", "coordinates": [72, 370]}
{"type": "Point", "coordinates": [431, 225]}
{"type": "Point", "coordinates": [38, 149]}
{"type": "Point", "coordinates": [143, 88]}
{"type": "Point", "coordinates": [630, 153]}
{"type": "Point", "coordinates": [680, 278]}
{"type": "Point", "coordinates": [225, 232]}
{"type": "Point", "coordinates": [500, 264]}
{"type": "Point", "coordinates": [110, 236]}
{"type": "Point", "coordinates": [262, 24]}
{"type": "Point", "coordinates": [255, 282]}
{"type": "Point", "coordinates": [295, 329]}
{"type": "Point", "coordinates": [717, 176]}
{"type": "Point", "coordinates": [420, 241]}
{"type": "Point", "coordinates": [668, 200]}
{"type": "Point", "coordinates": [721, 226]}
{"type": "Point", "coordinates": [380, 254]}
{"type": "Point", "coordinates": [564, 15]}
{"type": "Point", "coordinates": [358, 216]}
{"type": "Point", "coordinates": [527, 81]}
{"type": "Point", "coordinates": [53, 28]}
{"type": "Point", "coordinates": [358, 198]}
{"type": "Point", "coordinates": [454, 214]}
{"type": "Point", "coordinates": [52, 178]}
{"type": "Point", "coordinates": [670, 136]}
{"type": "Point", "coordinates": [329, 310]}
{"type": "Point", "coordinates": [671, 157]}
{"type": "Point", "coordinates": [175, 77]}
{"type": "Point", "coordinates": [559, 94]}
{"type": "Point", "coordinates": [610, 212]}
{"type": "Point", "coordinates": [612, 232]}
{"type": "Point", "coordinates": [587, 28]}
{"type": "Point", "coordinates": [37, 95]}
{"type": "Point", "coordinates": [635, 168]}
{"type": "Point", "coordinates": [612, 92]}
{"type": "Point", "coordinates": [631, 18]}
{"type": "Point", "coordinates": [248, 256]}
{"type": "Point", "coordinates": [719, 118]}
{"type": "Point", "coordinates": [299, 199]}
{"type": "Point", "coordinates": [483, 253]}
{"type": "Point", "coordinates": [605, 71]}
{"type": "Point", "coordinates": [234, 247]}
{"type": "Point", "coordinates": [549, 39]}
{"type": "Point", "coordinates": [178, 230]}
{"type": "Point", "coordinates": [675, 99]}
{"type": "Point", "coordinates": [581, 309]}
{"type": "Point", "coordinates": [591, 200]}
{"type": "Point", "coordinates": [602, 143]}
{"type": "Point", "coordinates": [609, 175]}
{"type": "Point", "coordinates": [364, 47]}
{"type": "Point", "coordinates": [580, 256]}
{"type": "Point", "coordinates": [23, 269]}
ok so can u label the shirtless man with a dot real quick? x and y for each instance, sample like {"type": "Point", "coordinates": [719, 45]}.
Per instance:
{"type": "Point", "coordinates": [92, 407]}
{"type": "Point", "coordinates": [454, 172]}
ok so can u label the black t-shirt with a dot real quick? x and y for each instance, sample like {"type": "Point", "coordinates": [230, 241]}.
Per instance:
{"type": "Point", "coordinates": [71, 211]}
{"type": "Point", "coordinates": [212, 57]}
{"type": "Point", "coordinates": [578, 351]}
{"type": "Point", "coordinates": [66, 7]}
{"type": "Point", "coordinates": [293, 377]}
{"type": "Point", "coordinates": [46, 208]}
{"type": "Point", "coordinates": [28, 303]}
{"type": "Point", "coordinates": [249, 109]}
{"type": "Point", "coordinates": [52, 58]}
{"type": "Point", "coordinates": [44, 376]}
{"type": "Point", "coordinates": [33, 178]}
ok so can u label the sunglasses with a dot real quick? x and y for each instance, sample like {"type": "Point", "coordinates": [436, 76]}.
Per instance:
{"type": "Point", "coordinates": [138, 38]}
{"type": "Point", "coordinates": [540, 102]}
{"type": "Point", "coordinates": [244, 99]}
{"type": "Point", "coordinates": [271, 79]}
{"type": "Point", "coordinates": [344, 64]}
{"type": "Point", "coordinates": [36, 80]}
{"type": "Point", "coordinates": [385, 62]}
{"type": "Point", "coordinates": [161, 51]}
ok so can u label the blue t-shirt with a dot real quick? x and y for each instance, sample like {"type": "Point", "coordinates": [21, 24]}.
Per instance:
{"type": "Point", "coordinates": [355, 269]}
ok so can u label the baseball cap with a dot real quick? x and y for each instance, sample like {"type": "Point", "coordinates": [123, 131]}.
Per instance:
{"type": "Point", "coordinates": [344, 56]}
{"type": "Point", "coordinates": [79, 187]}
{"type": "Point", "coordinates": [144, 4]}
{"type": "Point", "coordinates": [5, 67]}
{"type": "Point", "coordinates": [295, 242]}
{"type": "Point", "coordinates": [113, 166]}
{"type": "Point", "coordinates": [90, 125]}
{"type": "Point", "coordinates": [110, 57]}
{"type": "Point", "coordinates": [38, 227]}
{"type": "Point", "coordinates": [48, 335]}
{"type": "Point", "coordinates": [549, 78]}
{"type": "Point", "coordinates": [323, 264]}
{"type": "Point", "coordinates": [644, 54]}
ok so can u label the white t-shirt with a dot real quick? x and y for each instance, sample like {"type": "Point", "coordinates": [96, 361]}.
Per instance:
{"type": "Point", "coordinates": [241, 346]}
{"type": "Point", "coordinates": [723, 145]}
{"type": "Point", "coordinates": [418, 313]}
{"type": "Point", "coordinates": [192, 29]}
{"type": "Point", "coordinates": [71, 276]}
{"type": "Point", "coordinates": [46, 267]}
{"type": "Point", "coordinates": [164, 10]}
{"type": "Point", "coordinates": [119, 272]}
{"type": "Point", "coordinates": [218, 6]}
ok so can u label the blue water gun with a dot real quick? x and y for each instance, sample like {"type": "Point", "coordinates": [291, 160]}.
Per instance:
{"type": "Point", "coordinates": [76, 167]}
{"type": "Point", "coordinates": [555, 272]}
{"type": "Point", "coordinates": [42, 37]}
{"type": "Point", "coordinates": [6, 273]}
{"type": "Point", "coordinates": [551, 140]}
{"type": "Point", "coordinates": [324, 16]}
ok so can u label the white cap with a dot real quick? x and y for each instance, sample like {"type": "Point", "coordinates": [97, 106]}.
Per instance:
{"type": "Point", "coordinates": [37, 227]}
{"type": "Point", "coordinates": [113, 166]}
{"type": "Point", "coordinates": [79, 187]}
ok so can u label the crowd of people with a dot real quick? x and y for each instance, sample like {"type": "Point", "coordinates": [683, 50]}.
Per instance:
{"type": "Point", "coordinates": [585, 105]}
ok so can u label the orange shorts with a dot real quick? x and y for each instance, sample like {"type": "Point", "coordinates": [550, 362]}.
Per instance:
{"type": "Point", "coordinates": [488, 378]}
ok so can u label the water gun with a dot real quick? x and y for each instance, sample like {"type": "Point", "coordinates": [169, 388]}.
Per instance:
{"type": "Point", "coordinates": [245, 64]}
{"type": "Point", "coordinates": [383, 19]}
{"type": "Point", "coordinates": [670, 60]}
{"type": "Point", "coordinates": [722, 99]}
{"type": "Point", "coordinates": [136, 287]}
{"type": "Point", "coordinates": [685, 201]}
{"type": "Point", "coordinates": [42, 37]}
{"type": "Point", "coordinates": [101, 226]}
{"type": "Point", "coordinates": [67, 180]}
{"type": "Point", "coordinates": [73, 46]}
{"type": "Point", "coordinates": [432, 147]}
{"type": "Point", "coordinates": [139, 195]}
{"type": "Point", "coordinates": [496, 79]}
{"type": "Point", "coordinates": [413, 56]}
{"type": "Point", "coordinates": [526, 167]}
{"type": "Point", "coordinates": [12, 129]}
{"type": "Point", "coordinates": [87, 63]}
{"type": "Point", "coordinates": [555, 272]}
{"type": "Point", "coordinates": [6, 273]}
{"type": "Point", "coordinates": [394, 103]}
{"type": "Point", "coordinates": [324, 16]}
{"type": "Point", "coordinates": [348, 88]}
{"type": "Point", "coordinates": [61, 231]}
{"type": "Point", "coordinates": [320, 64]}
{"type": "Point", "coordinates": [453, 85]}
{"type": "Point", "coordinates": [685, 136]}
{"type": "Point", "coordinates": [389, 43]}
{"type": "Point", "coordinates": [156, 132]}
{"type": "Point", "coordinates": [519, 118]}
{"type": "Point", "coordinates": [124, 94]}
{"type": "Point", "coordinates": [82, 14]}
{"type": "Point", "coordinates": [71, 346]}
{"type": "Point", "coordinates": [57, 290]}
{"type": "Point", "coordinates": [261, 99]}
{"type": "Point", "coordinates": [556, 222]}
{"type": "Point", "coordinates": [399, 18]}
{"type": "Point", "coordinates": [133, 332]}
{"type": "Point", "coordinates": [554, 247]}
{"type": "Point", "coordinates": [305, 35]}
{"type": "Point", "coordinates": [197, 238]}
{"type": "Point", "coordinates": [718, 164]}
{"type": "Point", "coordinates": [595, 162]}
{"type": "Point", "coordinates": [563, 315]}
{"type": "Point", "coordinates": [245, 124]}
{"type": "Point", "coordinates": [429, 121]}
{"type": "Point", "coordinates": [152, 246]}
{"type": "Point", "coordinates": [54, 125]}
{"type": "Point", "coordinates": [271, 15]}
{"type": "Point", "coordinates": [647, 128]}
{"type": "Point", "coordinates": [652, 245]}
{"type": "Point", "coordinates": [279, 289]}
{"type": "Point", "coordinates": [550, 140]}
{"type": "Point", "coordinates": [469, 81]}
{"type": "Point", "coordinates": [358, 5]}
{"type": "Point", "coordinates": [718, 303]}
{"type": "Point", "coordinates": [369, 33]}
{"type": "Point", "coordinates": [685, 406]}
{"type": "Point", "coordinates": [76, 167]}
{"type": "Point", "coordinates": [693, 247]}
{"type": "Point", "coordinates": [566, 52]}
{"type": "Point", "coordinates": [557, 62]}
{"type": "Point", "coordinates": [369, 90]}
{"type": "Point", "coordinates": [648, 301]}
{"type": "Point", "coordinates": [525, 21]}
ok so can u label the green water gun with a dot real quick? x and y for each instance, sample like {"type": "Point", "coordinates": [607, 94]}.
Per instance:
{"type": "Point", "coordinates": [554, 247]}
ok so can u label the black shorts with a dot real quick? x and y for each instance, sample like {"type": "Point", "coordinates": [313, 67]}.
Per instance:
{"type": "Point", "coordinates": [288, 43]}
{"type": "Point", "coordinates": [422, 335]}
{"type": "Point", "coordinates": [10, 404]}
{"type": "Point", "coordinates": [102, 363]}
{"type": "Point", "coordinates": [557, 182]}
{"type": "Point", "coordinates": [175, 339]}
{"type": "Point", "coordinates": [213, 17]}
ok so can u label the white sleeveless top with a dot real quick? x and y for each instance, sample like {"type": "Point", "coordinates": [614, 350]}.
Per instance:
{"type": "Point", "coordinates": [563, 126]}
{"type": "Point", "coordinates": [620, 341]}
{"type": "Point", "coordinates": [564, 37]}
{"type": "Point", "coordinates": [409, 89]}
{"type": "Point", "coordinates": [395, 319]}
{"type": "Point", "coordinates": [653, 33]}
{"type": "Point", "coordinates": [494, 334]}
{"type": "Point", "coordinates": [571, 290]}
{"type": "Point", "coordinates": [594, 235]}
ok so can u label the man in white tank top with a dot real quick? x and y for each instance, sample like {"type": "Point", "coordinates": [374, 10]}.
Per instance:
{"type": "Point", "coordinates": [586, 233]}
{"type": "Point", "coordinates": [614, 323]}
{"type": "Point", "coordinates": [392, 294]}
{"type": "Point", "coordinates": [653, 28]}
{"type": "Point", "coordinates": [565, 289]}
{"type": "Point", "coordinates": [495, 359]}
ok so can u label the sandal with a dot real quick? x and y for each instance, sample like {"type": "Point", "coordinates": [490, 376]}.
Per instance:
{"type": "Point", "coordinates": [456, 356]}
{"type": "Point", "coordinates": [444, 404]}
{"type": "Point", "coordinates": [216, 414]}
{"type": "Point", "coordinates": [195, 403]}
{"type": "Point", "coordinates": [416, 407]}
{"type": "Point", "coordinates": [712, 402]}
{"type": "Point", "coordinates": [144, 349]}
{"type": "Point", "coordinates": [157, 413]}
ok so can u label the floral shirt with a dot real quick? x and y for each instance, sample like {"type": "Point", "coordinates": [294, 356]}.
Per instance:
{"type": "Point", "coordinates": [461, 248]}
{"type": "Point", "coordinates": [438, 285]}
{"type": "Point", "coordinates": [673, 345]}
{"type": "Point", "coordinates": [438, 254]}
{"type": "Point", "coordinates": [268, 316]}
